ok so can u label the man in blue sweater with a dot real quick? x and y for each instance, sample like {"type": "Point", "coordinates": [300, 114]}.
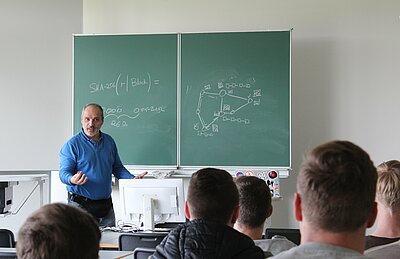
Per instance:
{"type": "Point", "coordinates": [87, 162]}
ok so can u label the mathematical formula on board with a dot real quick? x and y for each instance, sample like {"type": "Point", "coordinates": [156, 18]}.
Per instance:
{"type": "Point", "coordinates": [122, 115]}
{"type": "Point", "coordinates": [124, 83]}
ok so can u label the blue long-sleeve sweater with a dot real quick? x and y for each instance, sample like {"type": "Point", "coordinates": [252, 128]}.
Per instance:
{"type": "Point", "coordinates": [98, 161]}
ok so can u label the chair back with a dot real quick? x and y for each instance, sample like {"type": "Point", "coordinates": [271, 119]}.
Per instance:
{"type": "Point", "coordinates": [8, 253]}
{"type": "Point", "coordinates": [143, 252]}
{"type": "Point", "coordinates": [129, 242]}
{"type": "Point", "coordinates": [169, 225]}
{"type": "Point", "coordinates": [7, 238]}
{"type": "Point", "coordinates": [293, 234]}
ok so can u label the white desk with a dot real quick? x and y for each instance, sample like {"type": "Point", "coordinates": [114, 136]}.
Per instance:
{"type": "Point", "coordinates": [109, 240]}
{"type": "Point", "coordinates": [10, 252]}
{"type": "Point", "coordinates": [105, 254]}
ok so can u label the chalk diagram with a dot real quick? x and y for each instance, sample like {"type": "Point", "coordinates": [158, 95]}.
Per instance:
{"type": "Point", "coordinates": [120, 117]}
{"type": "Point", "coordinates": [222, 105]}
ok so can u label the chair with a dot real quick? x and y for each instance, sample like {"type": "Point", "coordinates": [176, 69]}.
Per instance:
{"type": "Point", "coordinates": [7, 238]}
{"type": "Point", "coordinates": [128, 242]}
{"type": "Point", "coordinates": [143, 253]}
{"type": "Point", "coordinates": [8, 253]}
{"type": "Point", "coordinates": [169, 225]}
{"type": "Point", "coordinates": [293, 234]}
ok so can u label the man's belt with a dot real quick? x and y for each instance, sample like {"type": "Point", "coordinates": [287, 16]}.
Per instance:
{"type": "Point", "coordinates": [79, 199]}
{"type": "Point", "coordinates": [98, 208]}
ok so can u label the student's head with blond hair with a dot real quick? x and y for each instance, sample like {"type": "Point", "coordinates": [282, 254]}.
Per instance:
{"type": "Point", "coordinates": [388, 199]}
{"type": "Point", "coordinates": [388, 186]}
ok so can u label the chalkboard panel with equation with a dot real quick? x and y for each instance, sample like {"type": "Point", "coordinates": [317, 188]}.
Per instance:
{"type": "Point", "coordinates": [134, 78]}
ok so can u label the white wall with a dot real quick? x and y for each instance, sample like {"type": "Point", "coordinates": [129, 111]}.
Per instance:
{"type": "Point", "coordinates": [36, 80]}
{"type": "Point", "coordinates": [345, 71]}
{"type": "Point", "coordinates": [35, 90]}
{"type": "Point", "coordinates": [23, 204]}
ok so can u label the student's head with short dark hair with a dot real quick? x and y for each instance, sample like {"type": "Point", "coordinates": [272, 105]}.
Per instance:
{"type": "Point", "coordinates": [212, 196]}
{"type": "Point", "coordinates": [337, 183]}
{"type": "Point", "coordinates": [59, 231]}
{"type": "Point", "coordinates": [254, 201]}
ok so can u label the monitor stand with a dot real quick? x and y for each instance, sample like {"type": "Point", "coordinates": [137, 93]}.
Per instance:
{"type": "Point", "coordinates": [148, 212]}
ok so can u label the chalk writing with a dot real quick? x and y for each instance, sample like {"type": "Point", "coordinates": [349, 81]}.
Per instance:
{"type": "Point", "coordinates": [123, 83]}
{"type": "Point", "coordinates": [120, 116]}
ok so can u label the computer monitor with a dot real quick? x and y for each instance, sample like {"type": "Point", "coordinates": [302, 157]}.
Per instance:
{"type": "Point", "coordinates": [148, 201]}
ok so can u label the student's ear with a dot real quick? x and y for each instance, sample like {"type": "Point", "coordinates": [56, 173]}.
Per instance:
{"type": "Point", "coordinates": [269, 212]}
{"type": "Point", "coordinates": [187, 211]}
{"type": "Point", "coordinates": [298, 214]}
{"type": "Point", "coordinates": [372, 218]}
{"type": "Point", "coordinates": [235, 215]}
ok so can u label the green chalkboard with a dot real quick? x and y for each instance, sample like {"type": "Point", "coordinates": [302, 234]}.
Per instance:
{"type": "Point", "coordinates": [134, 78]}
{"type": "Point", "coordinates": [232, 101]}
{"type": "Point", "coordinates": [235, 99]}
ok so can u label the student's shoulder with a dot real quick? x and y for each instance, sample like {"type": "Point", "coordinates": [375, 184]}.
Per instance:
{"type": "Point", "coordinates": [373, 241]}
{"type": "Point", "coordinates": [244, 246]}
{"type": "Point", "coordinates": [391, 250]}
{"type": "Point", "coordinates": [319, 250]}
{"type": "Point", "coordinates": [275, 245]}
